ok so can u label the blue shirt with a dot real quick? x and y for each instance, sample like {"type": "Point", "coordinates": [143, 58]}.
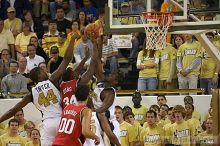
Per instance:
{"type": "Point", "coordinates": [91, 12]}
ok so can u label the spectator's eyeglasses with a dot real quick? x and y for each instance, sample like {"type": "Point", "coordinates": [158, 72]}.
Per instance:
{"type": "Point", "coordinates": [54, 52]}
{"type": "Point", "coordinates": [5, 54]}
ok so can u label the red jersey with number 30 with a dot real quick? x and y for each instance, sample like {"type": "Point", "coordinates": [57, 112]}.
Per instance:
{"type": "Point", "coordinates": [67, 90]}
{"type": "Point", "coordinates": [70, 128]}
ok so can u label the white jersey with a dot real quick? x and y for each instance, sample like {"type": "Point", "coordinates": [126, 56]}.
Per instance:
{"type": "Point", "coordinates": [98, 103]}
{"type": "Point", "coordinates": [95, 128]}
{"type": "Point", "coordinates": [47, 99]}
{"type": "Point", "coordinates": [112, 119]}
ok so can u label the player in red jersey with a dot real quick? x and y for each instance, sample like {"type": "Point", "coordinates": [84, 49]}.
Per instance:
{"type": "Point", "coordinates": [69, 78]}
{"type": "Point", "coordinates": [75, 121]}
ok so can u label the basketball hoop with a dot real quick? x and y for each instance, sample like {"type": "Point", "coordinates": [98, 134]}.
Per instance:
{"type": "Point", "coordinates": [156, 28]}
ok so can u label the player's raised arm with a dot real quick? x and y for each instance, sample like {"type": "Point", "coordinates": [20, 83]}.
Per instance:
{"type": "Point", "coordinates": [107, 98]}
{"type": "Point", "coordinates": [56, 75]}
{"type": "Point", "coordinates": [90, 71]}
{"type": "Point", "coordinates": [105, 126]}
{"type": "Point", "coordinates": [99, 67]}
{"type": "Point", "coordinates": [79, 68]}
{"type": "Point", "coordinates": [86, 131]}
{"type": "Point", "coordinates": [27, 99]}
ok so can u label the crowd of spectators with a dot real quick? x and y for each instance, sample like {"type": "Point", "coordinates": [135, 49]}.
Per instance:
{"type": "Point", "coordinates": [26, 39]}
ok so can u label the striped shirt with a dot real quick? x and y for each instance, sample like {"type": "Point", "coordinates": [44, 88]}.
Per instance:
{"type": "Point", "coordinates": [48, 40]}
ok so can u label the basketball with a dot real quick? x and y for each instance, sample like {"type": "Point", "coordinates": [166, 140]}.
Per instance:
{"type": "Point", "coordinates": [92, 30]}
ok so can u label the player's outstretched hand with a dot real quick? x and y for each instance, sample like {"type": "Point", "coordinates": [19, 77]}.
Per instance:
{"type": "Point", "coordinates": [97, 140]}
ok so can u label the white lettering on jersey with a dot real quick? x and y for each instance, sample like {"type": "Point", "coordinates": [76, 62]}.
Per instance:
{"type": "Point", "coordinates": [152, 138]}
{"type": "Point", "coordinates": [138, 117]}
{"type": "Point", "coordinates": [123, 133]}
{"type": "Point", "coordinates": [190, 52]}
{"type": "Point", "coordinates": [164, 57]}
{"type": "Point", "coordinates": [183, 133]}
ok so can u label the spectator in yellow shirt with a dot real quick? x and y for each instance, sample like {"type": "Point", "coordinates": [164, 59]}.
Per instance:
{"type": "Point", "coordinates": [20, 117]}
{"type": "Point", "coordinates": [23, 39]}
{"type": "Point", "coordinates": [126, 131]}
{"type": "Point", "coordinates": [62, 43]}
{"type": "Point", "coordinates": [7, 39]}
{"type": "Point", "coordinates": [138, 109]}
{"type": "Point", "coordinates": [209, 69]}
{"type": "Point", "coordinates": [129, 117]}
{"type": "Point", "coordinates": [75, 30]}
{"type": "Point", "coordinates": [195, 114]}
{"type": "Point", "coordinates": [206, 138]}
{"type": "Point", "coordinates": [35, 138]}
{"type": "Point", "coordinates": [188, 63]}
{"type": "Point", "coordinates": [51, 37]}
{"type": "Point", "coordinates": [152, 135]}
{"type": "Point", "coordinates": [12, 137]}
{"type": "Point", "coordinates": [28, 127]}
{"type": "Point", "coordinates": [181, 132]}
{"type": "Point", "coordinates": [12, 23]}
{"type": "Point", "coordinates": [147, 62]}
{"type": "Point", "coordinates": [195, 122]}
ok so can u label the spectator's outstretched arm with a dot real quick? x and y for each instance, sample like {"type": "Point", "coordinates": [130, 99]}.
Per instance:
{"type": "Point", "coordinates": [10, 113]}
{"type": "Point", "coordinates": [105, 126]}
{"type": "Point", "coordinates": [56, 75]}
{"type": "Point", "coordinates": [90, 71]}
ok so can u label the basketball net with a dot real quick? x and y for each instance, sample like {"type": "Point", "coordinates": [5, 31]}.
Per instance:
{"type": "Point", "coordinates": [156, 28]}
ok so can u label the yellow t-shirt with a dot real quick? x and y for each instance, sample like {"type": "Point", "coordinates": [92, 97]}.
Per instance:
{"type": "Point", "coordinates": [14, 25]}
{"type": "Point", "coordinates": [30, 143]}
{"type": "Point", "coordinates": [196, 115]}
{"type": "Point", "coordinates": [180, 134]}
{"type": "Point", "coordinates": [161, 122]}
{"type": "Point", "coordinates": [150, 72]}
{"type": "Point", "coordinates": [137, 129]}
{"type": "Point", "coordinates": [208, 65]}
{"type": "Point", "coordinates": [127, 133]}
{"type": "Point", "coordinates": [139, 114]}
{"type": "Point", "coordinates": [205, 139]}
{"type": "Point", "coordinates": [5, 139]}
{"type": "Point", "coordinates": [22, 40]}
{"type": "Point", "coordinates": [6, 38]}
{"type": "Point", "coordinates": [48, 40]}
{"type": "Point", "coordinates": [152, 137]}
{"type": "Point", "coordinates": [196, 125]}
{"type": "Point", "coordinates": [166, 56]}
{"type": "Point", "coordinates": [2, 128]}
{"type": "Point", "coordinates": [77, 41]}
{"type": "Point", "coordinates": [62, 49]}
{"type": "Point", "coordinates": [188, 52]}
{"type": "Point", "coordinates": [167, 130]}
{"type": "Point", "coordinates": [21, 130]}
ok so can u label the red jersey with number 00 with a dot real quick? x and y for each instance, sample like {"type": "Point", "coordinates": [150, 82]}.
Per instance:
{"type": "Point", "coordinates": [67, 90]}
{"type": "Point", "coordinates": [70, 128]}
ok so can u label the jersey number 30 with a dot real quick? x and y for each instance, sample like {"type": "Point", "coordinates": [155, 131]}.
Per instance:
{"type": "Point", "coordinates": [45, 100]}
{"type": "Point", "coordinates": [66, 125]}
